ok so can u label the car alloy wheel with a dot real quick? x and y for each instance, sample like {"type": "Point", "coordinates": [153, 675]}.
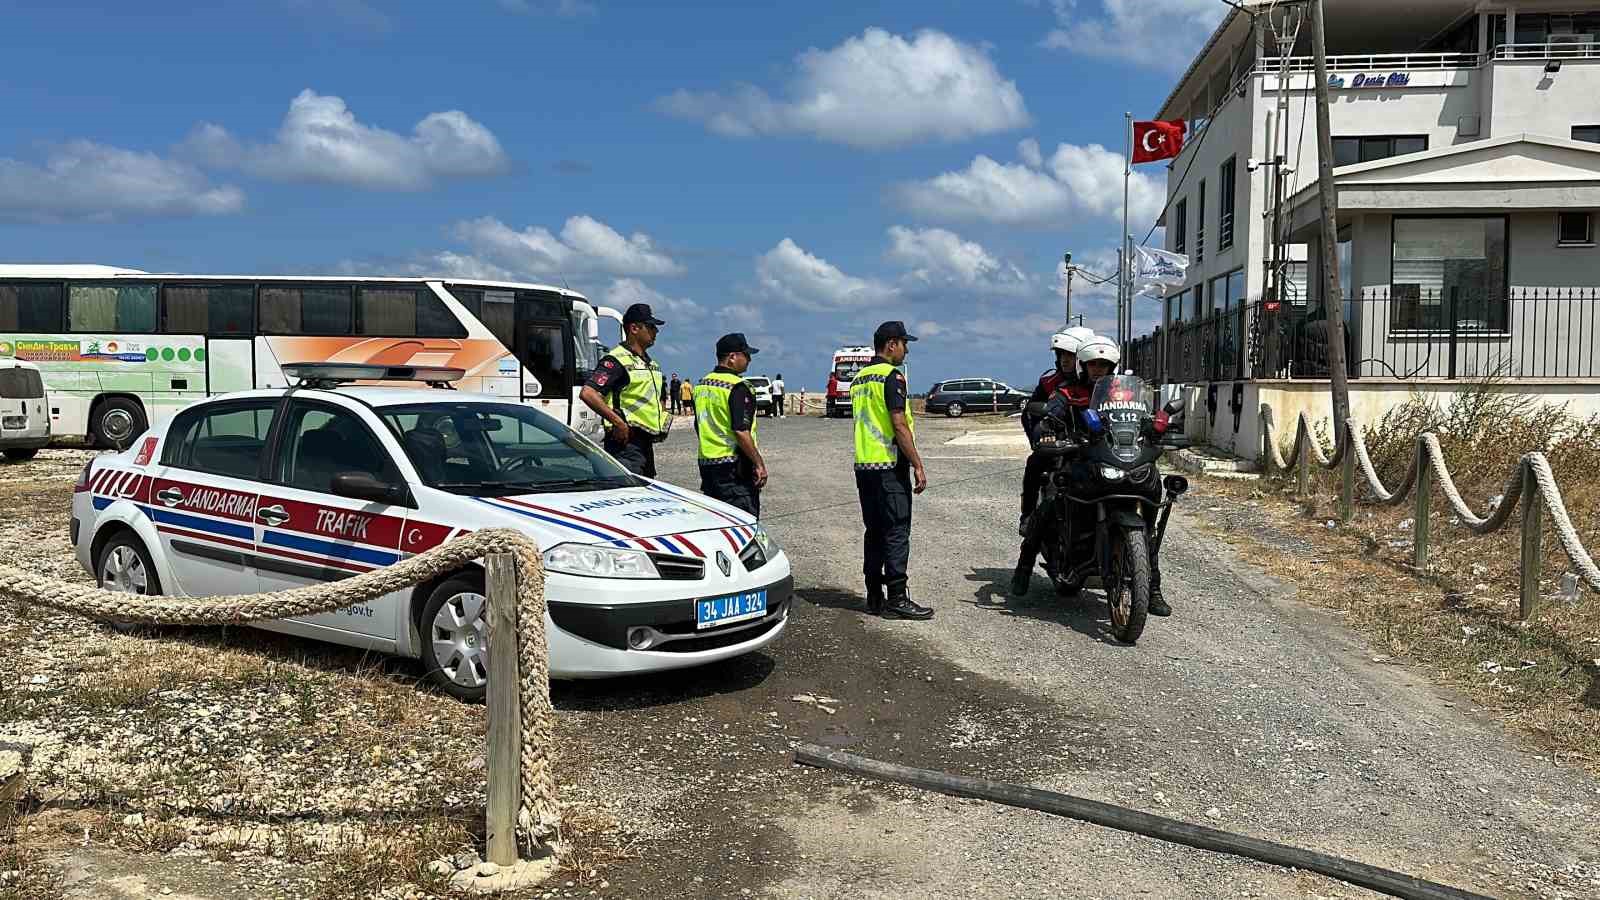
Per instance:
{"type": "Point", "coordinates": [955, 410]}
{"type": "Point", "coordinates": [459, 635]}
{"type": "Point", "coordinates": [123, 570]}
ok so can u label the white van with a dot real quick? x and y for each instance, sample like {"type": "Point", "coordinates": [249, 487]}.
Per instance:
{"type": "Point", "coordinates": [24, 410]}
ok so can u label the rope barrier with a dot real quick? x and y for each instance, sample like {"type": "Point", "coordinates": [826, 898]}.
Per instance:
{"type": "Point", "coordinates": [538, 813]}
{"type": "Point", "coordinates": [1532, 468]}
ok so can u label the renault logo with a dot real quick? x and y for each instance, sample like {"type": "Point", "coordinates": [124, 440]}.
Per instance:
{"type": "Point", "coordinates": [724, 563]}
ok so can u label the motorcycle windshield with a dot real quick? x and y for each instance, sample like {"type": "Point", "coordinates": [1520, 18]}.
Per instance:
{"type": "Point", "coordinates": [1121, 401]}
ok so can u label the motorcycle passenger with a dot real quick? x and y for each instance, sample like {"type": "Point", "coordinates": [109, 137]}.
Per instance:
{"type": "Point", "coordinates": [1099, 358]}
{"type": "Point", "coordinates": [1063, 376]}
{"type": "Point", "coordinates": [1065, 393]}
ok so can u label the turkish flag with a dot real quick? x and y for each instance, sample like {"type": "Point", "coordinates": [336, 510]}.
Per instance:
{"type": "Point", "coordinates": [1157, 140]}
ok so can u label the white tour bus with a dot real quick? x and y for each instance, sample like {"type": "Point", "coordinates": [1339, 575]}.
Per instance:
{"type": "Point", "coordinates": [120, 349]}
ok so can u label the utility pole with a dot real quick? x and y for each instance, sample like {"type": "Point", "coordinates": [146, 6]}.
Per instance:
{"type": "Point", "coordinates": [1066, 260]}
{"type": "Point", "coordinates": [1332, 296]}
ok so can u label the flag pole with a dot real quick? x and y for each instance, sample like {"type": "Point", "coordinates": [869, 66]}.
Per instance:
{"type": "Point", "coordinates": [1125, 298]}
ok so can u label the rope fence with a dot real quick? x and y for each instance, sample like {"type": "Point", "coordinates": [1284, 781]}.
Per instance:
{"type": "Point", "coordinates": [1531, 486]}
{"type": "Point", "coordinates": [522, 808]}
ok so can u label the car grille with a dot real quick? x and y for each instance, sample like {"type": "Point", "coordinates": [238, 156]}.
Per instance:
{"type": "Point", "coordinates": [678, 568]}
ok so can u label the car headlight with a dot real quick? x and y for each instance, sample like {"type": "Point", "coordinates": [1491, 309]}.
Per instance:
{"type": "Point", "coordinates": [1112, 473]}
{"type": "Point", "coordinates": [599, 562]}
{"type": "Point", "coordinates": [769, 547]}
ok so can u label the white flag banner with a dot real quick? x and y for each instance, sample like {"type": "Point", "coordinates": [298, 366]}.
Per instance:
{"type": "Point", "coordinates": [1156, 270]}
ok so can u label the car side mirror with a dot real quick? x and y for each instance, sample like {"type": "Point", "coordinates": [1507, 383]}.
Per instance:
{"type": "Point", "coordinates": [362, 486]}
{"type": "Point", "coordinates": [1036, 409]}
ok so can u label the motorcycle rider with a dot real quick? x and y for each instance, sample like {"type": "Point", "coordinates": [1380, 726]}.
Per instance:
{"type": "Point", "coordinates": [1063, 389]}
{"type": "Point", "coordinates": [1065, 375]}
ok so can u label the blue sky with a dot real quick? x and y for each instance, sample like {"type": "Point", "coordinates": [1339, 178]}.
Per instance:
{"type": "Point", "coordinates": [798, 173]}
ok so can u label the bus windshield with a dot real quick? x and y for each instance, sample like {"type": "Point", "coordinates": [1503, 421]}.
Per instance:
{"type": "Point", "coordinates": [846, 369]}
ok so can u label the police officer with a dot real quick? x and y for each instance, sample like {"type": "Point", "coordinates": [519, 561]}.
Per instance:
{"type": "Point", "coordinates": [731, 467]}
{"type": "Point", "coordinates": [886, 462]}
{"type": "Point", "coordinates": [625, 391]}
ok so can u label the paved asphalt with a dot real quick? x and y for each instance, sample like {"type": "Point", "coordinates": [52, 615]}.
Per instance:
{"type": "Point", "coordinates": [1246, 711]}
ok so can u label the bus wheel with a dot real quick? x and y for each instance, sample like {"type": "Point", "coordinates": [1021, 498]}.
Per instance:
{"type": "Point", "coordinates": [116, 422]}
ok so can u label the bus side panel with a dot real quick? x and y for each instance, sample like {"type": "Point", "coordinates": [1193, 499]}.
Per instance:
{"type": "Point", "coordinates": [489, 368]}
{"type": "Point", "coordinates": [163, 371]}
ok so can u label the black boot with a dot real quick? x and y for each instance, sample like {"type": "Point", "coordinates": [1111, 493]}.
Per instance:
{"type": "Point", "coordinates": [1023, 576]}
{"type": "Point", "coordinates": [1158, 603]}
{"type": "Point", "coordinates": [900, 605]}
{"type": "Point", "coordinates": [874, 595]}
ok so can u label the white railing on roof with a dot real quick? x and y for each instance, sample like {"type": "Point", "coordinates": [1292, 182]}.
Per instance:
{"type": "Point", "coordinates": [1550, 50]}
{"type": "Point", "coordinates": [1372, 62]}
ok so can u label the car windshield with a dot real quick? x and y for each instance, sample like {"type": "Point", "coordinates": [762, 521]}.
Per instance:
{"type": "Point", "coordinates": [490, 449]}
{"type": "Point", "coordinates": [757, 382]}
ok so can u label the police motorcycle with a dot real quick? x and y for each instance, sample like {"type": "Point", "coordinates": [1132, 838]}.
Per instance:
{"type": "Point", "coordinates": [1105, 506]}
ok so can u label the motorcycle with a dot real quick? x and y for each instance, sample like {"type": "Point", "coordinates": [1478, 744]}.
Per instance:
{"type": "Point", "coordinates": [1104, 509]}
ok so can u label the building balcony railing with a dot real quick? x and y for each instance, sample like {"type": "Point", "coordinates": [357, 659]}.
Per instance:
{"type": "Point", "coordinates": [1371, 62]}
{"type": "Point", "coordinates": [1550, 50]}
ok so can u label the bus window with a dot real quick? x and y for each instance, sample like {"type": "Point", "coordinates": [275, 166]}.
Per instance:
{"type": "Point", "coordinates": [30, 307]}
{"type": "Point", "coordinates": [308, 310]}
{"type": "Point", "coordinates": [215, 309]}
{"type": "Point", "coordinates": [434, 319]}
{"type": "Point", "coordinates": [120, 308]}
{"type": "Point", "coordinates": [386, 311]}
{"type": "Point", "coordinates": [495, 309]}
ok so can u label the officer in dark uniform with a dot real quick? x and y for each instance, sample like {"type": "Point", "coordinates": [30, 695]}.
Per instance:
{"type": "Point", "coordinates": [625, 391]}
{"type": "Point", "coordinates": [731, 467]}
{"type": "Point", "coordinates": [886, 463]}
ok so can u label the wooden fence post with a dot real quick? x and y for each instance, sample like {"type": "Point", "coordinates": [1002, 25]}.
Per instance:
{"type": "Point", "coordinates": [1302, 443]}
{"type": "Point", "coordinates": [505, 711]}
{"type": "Point", "coordinates": [1532, 535]}
{"type": "Point", "coordinates": [1420, 527]}
{"type": "Point", "coordinates": [1347, 475]}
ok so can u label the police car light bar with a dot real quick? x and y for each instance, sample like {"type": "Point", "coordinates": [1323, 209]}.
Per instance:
{"type": "Point", "coordinates": [325, 374]}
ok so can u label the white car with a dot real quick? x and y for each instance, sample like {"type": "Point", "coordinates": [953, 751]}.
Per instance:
{"type": "Point", "coordinates": [24, 410]}
{"type": "Point", "coordinates": [761, 387]}
{"type": "Point", "coordinates": [273, 489]}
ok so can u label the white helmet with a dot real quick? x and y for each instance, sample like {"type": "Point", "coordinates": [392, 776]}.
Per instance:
{"type": "Point", "coordinates": [1099, 348]}
{"type": "Point", "coordinates": [1080, 332]}
{"type": "Point", "coordinates": [1066, 341]}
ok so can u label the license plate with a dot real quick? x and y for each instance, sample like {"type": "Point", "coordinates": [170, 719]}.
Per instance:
{"type": "Point", "coordinates": [727, 610]}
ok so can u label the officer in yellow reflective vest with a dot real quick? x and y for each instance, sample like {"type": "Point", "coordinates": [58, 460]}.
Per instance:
{"type": "Point", "coordinates": [625, 391]}
{"type": "Point", "coordinates": [886, 463]}
{"type": "Point", "coordinates": [731, 467]}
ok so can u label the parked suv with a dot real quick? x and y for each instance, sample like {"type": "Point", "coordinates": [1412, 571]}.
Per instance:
{"type": "Point", "coordinates": [761, 387]}
{"type": "Point", "coordinates": [961, 396]}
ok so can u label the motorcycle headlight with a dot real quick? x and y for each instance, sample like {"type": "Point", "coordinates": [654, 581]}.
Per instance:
{"type": "Point", "coordinates": [1112, 473]}
{"type": "Point", "coordinates": [599, 562]}
{"type": "Point", "coordinates": [769, 547]}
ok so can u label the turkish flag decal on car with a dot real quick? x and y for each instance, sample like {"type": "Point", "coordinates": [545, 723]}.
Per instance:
{"type": "Point", "coordinates": [1157, 140]}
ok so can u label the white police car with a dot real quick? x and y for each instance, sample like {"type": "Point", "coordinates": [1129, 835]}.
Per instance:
{"type": "Point", "coordinates": [274, 489]}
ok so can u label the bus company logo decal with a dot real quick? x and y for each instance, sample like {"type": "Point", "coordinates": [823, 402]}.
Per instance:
{"type": "Point", "coordinates": [8, 349]}
{"type": "Point", "coordinates": [112, 350]}
{"type": "Point", "coordinates": [44, 350]}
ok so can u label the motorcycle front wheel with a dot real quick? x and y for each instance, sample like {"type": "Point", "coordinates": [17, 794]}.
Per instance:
{"type": "Point", "coordinates": [1128, 586]}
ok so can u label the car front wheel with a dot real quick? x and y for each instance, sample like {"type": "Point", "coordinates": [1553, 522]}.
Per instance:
{"type": "Point", "coordinates": [125, 566]}
{"type": "Point", "coordinates": [455, 631]}
{"type": "Point", "coordinates": [955, 410]}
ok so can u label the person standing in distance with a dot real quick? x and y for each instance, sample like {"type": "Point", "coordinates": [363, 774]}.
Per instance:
{"type": "Point", "coordinates": [777, 396]}
{"type": "Point", "coordinates": [886, 464]}
{"type": "Point", "coordinates": [731, 467]}
{"type": "Point", "coordinates": [625, 391]}
{"type": "Point", "coordinates": [673, 397]}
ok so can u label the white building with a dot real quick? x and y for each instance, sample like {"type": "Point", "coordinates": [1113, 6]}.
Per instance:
{"type": "Point", "coordinates": [1467, 152]}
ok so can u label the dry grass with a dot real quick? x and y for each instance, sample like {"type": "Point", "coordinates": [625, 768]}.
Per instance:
{"type": "Point", "coordinates": [390, 857]}
{"type": "Point", "coordinates": [24, 873]}
{"type": "Point", "coordinates": [592, 840]}
{"type": "Point", "coordinates": [1461, 618]}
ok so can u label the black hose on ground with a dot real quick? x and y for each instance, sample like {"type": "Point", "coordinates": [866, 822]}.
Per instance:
{"type": "Point", "coordinates": [1385, 881]}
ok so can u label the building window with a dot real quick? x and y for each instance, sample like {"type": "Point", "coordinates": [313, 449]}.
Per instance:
{"type": "Point", "coordinates": [1236, 289]}
{"type": "Point", "coordinates": [1200, 223]}
{"type": "Point", "coordinates": [1449, 272]}
{"type": "Point", "coordinates": [1347, 151]}
{"type": "Point", "coordinates": [1180, 223]}
{"type": "Point", "coordinates": [1225, 192]}
{"type": "Point", "coordinates": [1575, 229]}
{"type": "Point", "coordinates": [1590, 133]}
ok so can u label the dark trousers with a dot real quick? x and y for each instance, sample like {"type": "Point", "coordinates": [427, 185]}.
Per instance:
{"type": "Point", "coordinates": [734, 484]}
{"type": "Point", "coordinates": [886, 512]}
{"type": "Point", "coordinates": [674, 400]}
{"type": "Point", "coordinates": [777, 405]}
{"type": "Point", "coordinates": [1033, 481]}
{"type": "Point", "coordinates": [638, 455]}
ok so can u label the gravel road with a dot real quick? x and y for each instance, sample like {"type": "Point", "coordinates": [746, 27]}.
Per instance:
{"type": "Point", "coordinates": [1246, 711]}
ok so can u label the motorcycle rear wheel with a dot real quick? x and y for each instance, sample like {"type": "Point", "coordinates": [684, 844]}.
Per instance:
{"type": "Point", "coordinates": [1128, 586]}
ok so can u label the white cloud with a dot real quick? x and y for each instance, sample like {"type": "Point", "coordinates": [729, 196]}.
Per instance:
{"type": "Point", "coordinates": [874, 90]}
{"type": "Point", "coordinates": [1028, 149]}
{"type": "Point", "coordinates": [565, 8]}
{"type": "Point", "coordinates": [320, 140]}
{"type": "Point", "coordinates": [1160, 34]}
{"type": "Point", "coordinates": [944, 259]}
{"type": "Point", "coordinates": [787, 272]}
{"type": "Point", "coordinates": [624, 292]}
{"type": "Point", "coordinates": [1076, 181]}
{"type": "Point", "coordinates": [743, 316]}
{"type": "Point", "coordinates": [585, 246]}
{"type": "Point", "coordinates": [82, 180]}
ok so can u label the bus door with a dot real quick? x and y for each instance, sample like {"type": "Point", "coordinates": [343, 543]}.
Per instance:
{"type": "Point", "coordinates": [547, 373]}
{"type": "Point", "coordinates": [230, 364]}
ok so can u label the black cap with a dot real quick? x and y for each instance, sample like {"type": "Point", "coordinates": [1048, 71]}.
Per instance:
{"type": "Point", "coordinates": [640, 312]}
{"type": "Point", "coordinates": [889, 331]}
{"type": "Point", "coordinates": [734, 343]}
